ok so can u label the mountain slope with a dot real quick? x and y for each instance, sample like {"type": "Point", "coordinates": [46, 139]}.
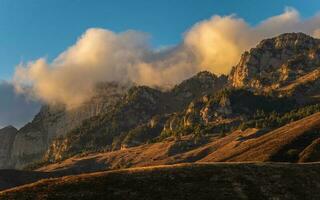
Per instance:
{"type": "Point", "coordinates": [33, 139]}
{"type": "Point", "coordinates": [187, 181]}
{"type": "Point", "coordinates": [283, 144]}
{"type": "Point", "coordinates": [10, 178]}
{"type": "Point", "coordinates": [289, 143]}
{"type": "Point", "coordinates": [141, 112]}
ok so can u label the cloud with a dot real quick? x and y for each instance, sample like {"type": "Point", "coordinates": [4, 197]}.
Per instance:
{"type": "Point", "coordinates": [99, 55]}
{"type": "Point", "coordinates": [15, 109]}
{"type": "Point", "coordinates": [102, 55]}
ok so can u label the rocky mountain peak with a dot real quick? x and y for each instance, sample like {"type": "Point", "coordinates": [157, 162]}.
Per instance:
{"type": "Point", "coordinates": [289, 40]}
{"type": "Point", "coordinates": [202, 83]}
{"type": "Point", "coordinates": [205, 75]}
{"type": "Point", "coordinates": [276, 62]}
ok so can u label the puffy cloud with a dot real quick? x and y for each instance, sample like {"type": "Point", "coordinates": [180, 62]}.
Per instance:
{"type": "Point", "coordinates": [102, 55]}
{"type": "Point", "coordinates": [99, 55]}
{"type": "Point", "coordinates": [15, 109]}
{"type": "Point", "coordinates": [218, 42]}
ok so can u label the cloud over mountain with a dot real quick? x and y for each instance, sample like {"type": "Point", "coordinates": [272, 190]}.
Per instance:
{"type": "Point", "coordinates": [102, 55]}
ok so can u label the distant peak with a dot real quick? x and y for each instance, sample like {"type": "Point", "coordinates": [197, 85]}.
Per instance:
{"type": "Point", "coordinates": [8, 129]}
{"type": "Point", "coordinates": [203, 74]}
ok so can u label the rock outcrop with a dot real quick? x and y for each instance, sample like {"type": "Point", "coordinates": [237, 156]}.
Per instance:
{"type": "Point", "coordinates": [276, 62]}
{"type": "Point", "coordinates": [7, 136]}
{"type": "Point", "coordinates": [201, 84]}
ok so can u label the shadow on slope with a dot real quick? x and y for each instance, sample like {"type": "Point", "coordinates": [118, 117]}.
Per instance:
{"type": "Point", "coordinates": [184, 181]}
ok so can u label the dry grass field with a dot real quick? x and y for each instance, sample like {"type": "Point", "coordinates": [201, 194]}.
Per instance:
{"type": "Point", "coordinates": [182, 181]}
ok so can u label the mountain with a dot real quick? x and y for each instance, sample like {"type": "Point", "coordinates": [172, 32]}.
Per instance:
{"type": "Point", "coordinates": [266, 110]}
{"type": "Point", "coordinates": [137, 119]}
{"type": "Point", "coordinates": [54, 122]}
{"type": "Point", "coordinates": [206, 104]}
{"type": "Point", "coordinates": [184, 181]}
{"type": "Point", "coordinates": [286, 64]}
{"type": "Point", "coordinates": [32, 140]}
{"type": "Point", "coordinates": [273, 84]}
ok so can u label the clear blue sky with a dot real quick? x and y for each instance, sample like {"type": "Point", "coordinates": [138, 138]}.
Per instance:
{"type": "Point", "coordinates": [30, 29]}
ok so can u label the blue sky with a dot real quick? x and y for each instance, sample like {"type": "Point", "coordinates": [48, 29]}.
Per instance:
{"type": "Point", "coordinates": [30, 29]}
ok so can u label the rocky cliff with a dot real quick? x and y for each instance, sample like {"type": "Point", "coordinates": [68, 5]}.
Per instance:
{"type": "Point", "coordinates": [278, 62]}
{"type": "Point", "coordinates": [7, 136]}
{"type": "Point", "coordinates": [32, 140]}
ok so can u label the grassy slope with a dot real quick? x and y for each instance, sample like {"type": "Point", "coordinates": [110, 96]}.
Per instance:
{"type": "Point", "coordinates": [161, 153]}
{"type": "Point", "coordinates": [238, 146]}
{"type": "Point", "coordinates": [309, 77]}
{"type": "Point", "coordinates": [271, 146]}
{"type": "Point", "coordinates": [184, 181]}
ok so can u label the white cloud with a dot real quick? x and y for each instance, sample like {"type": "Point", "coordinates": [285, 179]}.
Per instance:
{"type": "Point", "coordinates": [102, 55]}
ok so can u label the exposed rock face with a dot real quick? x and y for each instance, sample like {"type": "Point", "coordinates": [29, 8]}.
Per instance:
{"type": "Point", "coordinates": [32, 141]}
{"type": "Point", "coordinates": [213, 110]}
{"type": "Point", "coordinates": [206, 110]}
{"type": "Point", "coordinates": [7, 136]}
{"type": "Point", "coordinates": [276, 62]}
{"type": "Point", "coordinates": [136, 107]}
{"type": "Point", "coordinates": [201, 84]}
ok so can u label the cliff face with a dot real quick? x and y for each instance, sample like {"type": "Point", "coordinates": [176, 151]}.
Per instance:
{"type": "Point", "coordinates": [33, 139]}
{"type": "Point", "coordinates": [7, 136]}
{"type": "Point", "coordinates": [277, 62]}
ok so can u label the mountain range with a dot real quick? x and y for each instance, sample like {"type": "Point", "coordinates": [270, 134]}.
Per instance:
{"type": "Point", "coordinates": [266, 110]}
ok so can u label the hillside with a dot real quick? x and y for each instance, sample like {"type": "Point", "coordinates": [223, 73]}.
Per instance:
{"type": "Point", "coordinates": [284, 144]}
{"type": "Point", "coordinates": [294, 142]}
{"type": "Point", "coordinates": [184, 181]}
{"type": "Point", "coordinates": [11, 178]}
